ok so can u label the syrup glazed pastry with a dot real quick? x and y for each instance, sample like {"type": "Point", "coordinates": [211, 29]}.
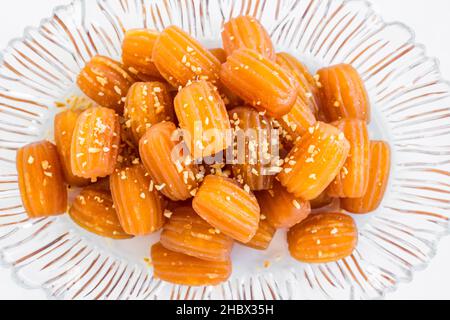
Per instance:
{"type": "Point", "coordinates": [228, 207]}
{"type": "Point", "coordinates": [129, 146]}
{"type": "Point", "coordinates": [379, 170]}
{"type": "Point", "coordinates": [186, 270]}
{"type": "Point", "coordinates": [315, 161]}
{"type": "Point", "coordinates": [260, 82]}
{"type": "Point", "coordinates": [140, 208]}
{"type": "Point", "coordinates": [137, 52]}
{"type": "Point", "coordinates": [200, 103]}
{"type": "Point", "coordinates": [254, 168]}
{"type": "Point", "coordinates": [147, 104]}
{"type": "Point", "coordinates": [95, 143]}
{"type": "Point", "coordinates": [344, 94]}
{"type": "Point", "coordinates": [297, 122]}
{"type": "Point", "coordinates": [189, 234]}
{"type": "Point", "coordinates": [65, 123]}
{"type": "Point", "coordinates": [41, 181]}
{"type": "Point", "coordinates": [247, 32]}
{"type": "Point", "coordinates": [309, 92]}
{"type": "Point", "coordinates": [106, 82]}
{"type": "Point", "coordinates": [180, 58]}
{"type": "Point", "coordinates": [323, 238]}
{"type": "Point", "coordinates": [263, 237]}
{"type": "Point", "coordinates": [353, 180]}
{"type": "Point", "coordinates": [176, 180]}
{"type": "Point", "coordinates": [281, 208]}
{"type": "Point", "coordinates": [94, 211]}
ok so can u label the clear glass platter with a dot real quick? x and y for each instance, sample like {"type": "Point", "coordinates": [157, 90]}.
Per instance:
{"type": "Point", "coordinates": [411, 110]}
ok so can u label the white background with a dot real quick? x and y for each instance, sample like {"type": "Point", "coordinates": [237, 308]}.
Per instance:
{"type": "Point", "coordinates": [431, 22]}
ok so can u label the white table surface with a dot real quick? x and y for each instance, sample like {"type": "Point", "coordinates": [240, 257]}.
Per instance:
{"type": "Point", "coordinates": [429, 19]}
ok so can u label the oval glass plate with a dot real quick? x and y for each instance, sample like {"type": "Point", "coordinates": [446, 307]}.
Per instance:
{"type": "Point", "coordinates": [411, 109]}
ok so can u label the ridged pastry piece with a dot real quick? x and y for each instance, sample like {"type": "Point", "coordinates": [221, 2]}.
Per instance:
{"type": "Point", "coordinates": [260, 82]}
{"type": "Point", "coordinates": [352, 181]}
{"type": "Point", "coordinates": [253, 167]}
{"type": "Point", "coordinates": [247, 32]}
{"type": "Point", "coordinates": [147, 104]}
{"type": "Point", "coordinates": [41, 181]}
{"type": "Point", "coordinates": [343, 93]}
{"type": "Point", "coordinates": [379, 170]}
{"type": "Point", "coordinates": [315, 161]}
{"type": "Point", "coordinates": [203, 115]}
{"type": "Point", "coordinates": [229, 98]}
{"type": "Point", "coordinates": [281, 208]}
{"type": "Point", "coordinates": [181, 269]}
{"type": "Point", "coordinates": [187, 233]}
{"type": "Point", "coordinates": [106, 82]}
{"type": "Point", "coordinates": [323, 238]}
{"type": "Point", "coordinates": [139, 207]}
{"type": "Point", "coordinates": [309, 90]}
{"type": "Point", "coordinates": [181, 59]}
{"type": "Point", "coordinates": [297, 122]}
{"type": "Point", "coordinates": [64, 127]}
{"type": "Point", "coordinates": [95, 143]}
{"type": "Point", "coordinates": [137, 51]}
{"type": "Point", "coordinates": [228, 207]}
{"type": "Point", "coordinates": [93, 210]}
{"type": "Point", "coordinates": [263, 237]}
{"type": "Point", "coordinates": [174, 178]}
